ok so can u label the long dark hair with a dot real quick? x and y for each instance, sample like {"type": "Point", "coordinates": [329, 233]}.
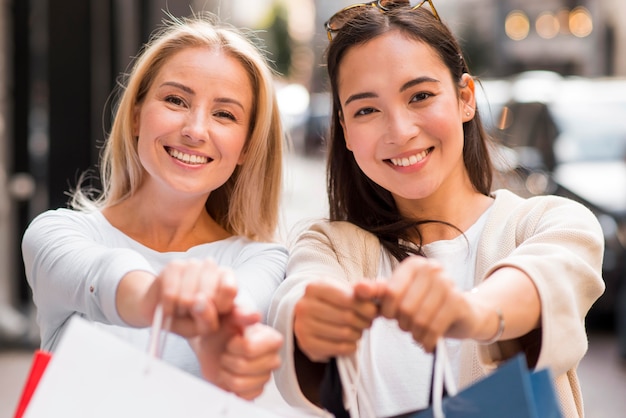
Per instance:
{"type": "Point", "coordinates": [352, 195]}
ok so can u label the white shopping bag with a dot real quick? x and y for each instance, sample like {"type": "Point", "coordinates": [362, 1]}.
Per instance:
{"type": "Point", "coordinates": [95, 374]}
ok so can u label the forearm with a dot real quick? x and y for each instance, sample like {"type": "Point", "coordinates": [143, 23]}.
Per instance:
{"type": "Point", "coordinates": [513, 293]}
{"type": "Point", "coordinates": [136, 298]}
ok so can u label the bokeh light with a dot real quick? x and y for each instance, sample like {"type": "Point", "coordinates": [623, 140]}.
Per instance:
{"type": "Point", "coordinates": [580, 22]}
{"type": "Point", "coordinates": [547, 25]}
{"type": "Point", "coordinates": [517, 25]}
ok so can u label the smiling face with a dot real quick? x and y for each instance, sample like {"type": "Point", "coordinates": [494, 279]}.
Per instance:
{"type": "Point", "coordinates": [403, 117]}
{"type": "Point", "coordinates": [193, 122]}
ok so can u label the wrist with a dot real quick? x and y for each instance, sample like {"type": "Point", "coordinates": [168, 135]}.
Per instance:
{"type": "Point", "coordinates": [500, 330]}
{"type": "Point", "coordinates": [492, 325]}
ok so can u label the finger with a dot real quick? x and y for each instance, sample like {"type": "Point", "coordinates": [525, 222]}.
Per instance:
{"type": "Point", "coordinates": [188, 288]}
{"type": "Point", "coordinates": [410, 306]}
{"type": "Point", "coordinates": [203, 308]}
{"type": "Point", "coordinates": [205, 314]}
{"type": "Point", "coordinates": [226, 290]}
{"type": "Point", "coordinates": [320, 340]}
{"type": "Point", "coordinates": [169, 279]}
{"type": "Point", "coordinates": [320, 350]}
{"type": "Point", "coordinates": [336, 303]}
{"type": "Point", "coordinates": [440, 322]}
{"type": "Point", "coordinates": [365, 312]}
{"type": "Point", "coordinates": [349, 315]}
{"type": "Point", "coordinates": [334, 293]}
{"type": "Point", "coordinates": [369, 290]}
{"type": "Point", "coordinates": [250, 358]}
{"type": "Point", "coordinates": [246, 387]}
{"type": "Point", "coordinates": [409, 271]}
{"type": "Point", "coordinates": [424, 300]}
{"type": "Point", "coordinates": [242, 317]}
{"type": "Point", "coordinates": [256, 340]}
{"type": "Point", "coordinates": [184, 326]}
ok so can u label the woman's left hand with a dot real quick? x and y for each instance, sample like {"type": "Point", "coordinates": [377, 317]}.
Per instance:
{"type": "Point", "coordinates": [425, 301]}
{"type": "Point", "coordinates": [241, 355]}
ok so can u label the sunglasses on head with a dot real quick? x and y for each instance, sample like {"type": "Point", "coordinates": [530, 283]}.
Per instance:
{"type": "Point", "coordinates": [339, 19]}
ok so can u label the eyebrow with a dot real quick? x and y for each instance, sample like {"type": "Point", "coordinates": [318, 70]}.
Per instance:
{"type": "Point", "coordinates": [405, 86]}
{"type": "Point", "coordinates": [416, 81]}
{"type": "Point", "coordinates": [189, 90]}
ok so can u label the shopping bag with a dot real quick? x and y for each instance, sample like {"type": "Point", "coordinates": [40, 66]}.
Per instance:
{"type": "Point", "coordinates": [37, 367]}
{"type": "Point", "coordinates": [511, 391]}
{"type": "Point", "coordinates": [95, 374]}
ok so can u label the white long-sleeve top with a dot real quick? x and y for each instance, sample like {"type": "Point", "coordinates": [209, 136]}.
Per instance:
{"type": "Point", "coordinates": [74, 262]}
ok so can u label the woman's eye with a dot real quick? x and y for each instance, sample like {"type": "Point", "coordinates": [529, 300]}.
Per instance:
{"type": "Point", "coordinates": [365, 111]}
{"type": "Point", "coordinates": [175, 100]}
{"type": "Point", "coordinates": [420, 97]}
{"type": "Point", "coordinates": [225, 114]}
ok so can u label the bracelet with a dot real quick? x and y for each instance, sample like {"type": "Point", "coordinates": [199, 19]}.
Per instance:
{"type": "Point", "coordinates": [499, 332]}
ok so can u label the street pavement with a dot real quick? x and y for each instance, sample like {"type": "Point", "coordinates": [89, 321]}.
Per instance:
{"type": "Point", "coordinates": [602, 374]}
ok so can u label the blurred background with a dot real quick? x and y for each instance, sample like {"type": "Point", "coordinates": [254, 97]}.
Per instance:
{"type": "Point", "coordinates": [552, 93]}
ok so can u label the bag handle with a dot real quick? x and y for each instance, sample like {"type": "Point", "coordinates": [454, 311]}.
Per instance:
{"type": "Point", "coordinates": [157, 337]}
{"type": "Point", "coordinates": [442, 377]}
{"type": "Point", "coordinates": [350, 377]}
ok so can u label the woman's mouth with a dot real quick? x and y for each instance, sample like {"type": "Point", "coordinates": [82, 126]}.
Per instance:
{"type": "Point", "coordinates": [187, 158]}
{"type": "Point", "coordinates": [410, 160]}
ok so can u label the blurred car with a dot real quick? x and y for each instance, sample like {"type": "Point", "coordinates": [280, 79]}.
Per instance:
{"type": "Point", "coordinates": [569, 139]}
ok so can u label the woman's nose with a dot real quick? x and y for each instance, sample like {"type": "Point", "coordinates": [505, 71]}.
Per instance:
{"type": "Point", "coordinates": [196, 126]}
{"type": "Point", "coordinates": [402, 127]}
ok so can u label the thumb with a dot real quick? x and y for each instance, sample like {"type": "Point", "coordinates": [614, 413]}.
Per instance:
{"type": "Point", "coordinates": [243, 317]}
{"type": "Point", "coordinates": [369, 290]}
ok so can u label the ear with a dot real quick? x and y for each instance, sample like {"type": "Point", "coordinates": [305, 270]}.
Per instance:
{"type": "Point", "coordinates": [242, 157]}
{"type": "Point", "coordinates": [343, 127]}
{"type": "Point", "coordinates": [467, 97]}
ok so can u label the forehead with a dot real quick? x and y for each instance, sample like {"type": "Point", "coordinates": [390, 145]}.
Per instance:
{"type": "Point", "coordinates": [392, 58]}
{"type": "Point", "coordinates": [204, 60]}
{"type": "Point", "coordinates": [390, 51]}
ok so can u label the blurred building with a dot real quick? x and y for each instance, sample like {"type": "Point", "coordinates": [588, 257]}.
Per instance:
{"type": "Point", "coordinates": [504, 37]}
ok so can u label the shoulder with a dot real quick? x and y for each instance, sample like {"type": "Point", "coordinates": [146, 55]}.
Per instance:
{"type": "Point", "coordinates": [354, 248]}
{"type": "Point", "coordinates": [63, 215]}
{"type": "Point", "coordinates": [66, 220]}
{"type": "Point", "coordinates": [515, 220]}
{"type": "Point", "coordinates": [340, 231]}
{"type": "Point", "coordinates": [545, 207]}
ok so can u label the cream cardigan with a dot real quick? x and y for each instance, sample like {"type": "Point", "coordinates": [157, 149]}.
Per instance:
{"type": "Point", "coordinates": [557, 242]}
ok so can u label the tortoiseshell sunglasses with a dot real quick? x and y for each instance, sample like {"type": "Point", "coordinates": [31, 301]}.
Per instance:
{"type": "Point", "coordinates": [339, 19]}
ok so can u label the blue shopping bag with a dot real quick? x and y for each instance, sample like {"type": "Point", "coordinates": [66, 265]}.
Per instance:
{"type": "Point", "coordinates": [511, 391]}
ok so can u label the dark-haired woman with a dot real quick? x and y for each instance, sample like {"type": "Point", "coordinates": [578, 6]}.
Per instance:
{"type": "Point", "coordinates": [418, 246]}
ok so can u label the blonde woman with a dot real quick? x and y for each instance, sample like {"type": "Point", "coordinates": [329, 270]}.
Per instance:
{"type": "Point", "coordinates": [191, 179]}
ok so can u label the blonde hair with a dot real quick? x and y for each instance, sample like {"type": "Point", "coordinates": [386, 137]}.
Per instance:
{"type": "Point", "coordinates": [248, 203]}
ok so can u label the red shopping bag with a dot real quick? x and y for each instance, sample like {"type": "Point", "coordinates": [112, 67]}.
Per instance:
{"type": "Point", "coordinates": [38, 366]}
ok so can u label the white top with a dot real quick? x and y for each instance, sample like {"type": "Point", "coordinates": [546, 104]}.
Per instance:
{"type": "Point", "coordinates": [75, 260]}
{"type": "Point", "coordinates": [392, 364]}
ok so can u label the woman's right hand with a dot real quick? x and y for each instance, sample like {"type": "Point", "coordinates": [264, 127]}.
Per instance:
{"type": "Point", "coordinates": [330, 318]}
{"type": "Point", "coordinates": [194, 294]}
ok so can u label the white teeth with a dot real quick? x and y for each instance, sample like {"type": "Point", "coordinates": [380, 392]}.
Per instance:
{"type": "Point", "coordinates": [407, 161]}
{"type": "Point", "coordinates": [187, 158]}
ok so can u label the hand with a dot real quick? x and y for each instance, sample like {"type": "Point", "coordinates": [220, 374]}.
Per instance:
{"type": "Point", "coordinates": [195, 294]}
{"type": "Point", "coordinates": [425, 302]}
{"type": "Point", "coordinates": [241, 355]}
{"type": "Point", "coordinates": [330, 318]}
